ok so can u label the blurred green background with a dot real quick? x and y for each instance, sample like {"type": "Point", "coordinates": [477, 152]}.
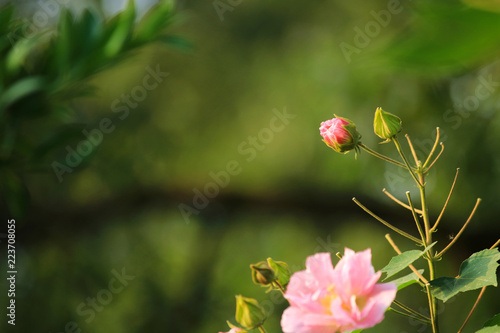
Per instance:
{"type": "Point", "coordinates": [289, 196]}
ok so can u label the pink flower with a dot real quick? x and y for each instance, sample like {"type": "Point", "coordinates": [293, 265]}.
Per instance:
{"type": "Point", "coordinates": [327, 300]}
{"type": "Point", "coordinates": [339, 134]}
{"type": "Point", "coordinates": [233, 330]}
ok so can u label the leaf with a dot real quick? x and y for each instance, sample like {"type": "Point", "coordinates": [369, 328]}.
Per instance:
{"type": "Point", "coordinates": [478, 271]}
{"type": "Point", "coordinates": [407, 280]}
{"type": "Point", "coordinates": [21, 89]}
{"type": "Point", "coordinates": [403, 260]}
{"type": "Point", "coordinates": [495, 321]}
{"type": "Point", "coordinates": [122, 31]}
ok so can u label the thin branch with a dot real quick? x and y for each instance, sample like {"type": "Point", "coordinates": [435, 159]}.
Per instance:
{"type": "Point", "coordinates": [446, 203]}
{"type": "Point", "coordinates": [437, 157]}
{"type": "Point", "coordinates": [387, 224]}
{"type": "Point", "coordinates": [422, 320]}
{"type": "Point", "coordinates": [385, 158]}
{"type": "Point", "coordinates": [410, 310]}
{"type": "Point", "coordinates": [403, 156]}
{"type": "Point", "coordinates": [415, 217]}
{"type": "Point", "coordinates": [440, 254]}
{"type": "Point", "coordinates": [400, 202]}
{"type": "Point", "coordinates": [417, 162]}
{"type": "Point", "coordinates": [433, 149]}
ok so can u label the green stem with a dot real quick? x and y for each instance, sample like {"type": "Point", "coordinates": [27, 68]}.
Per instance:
{"type": "Point", "coordinates": [425, 321]}
{"type": "Point", "coordinates": [387, 224]}
{"type": "Point", "coordinates": [411, 311]}
{"type": "Point", "coordinates": [415, 217]}
{"type": "Point", "coordinates": [280, 287]}
{"type": "Point", "coordinates": [403, 156]}
{"type": "Point", "coordinates": [430, 256]}
{"type": "Point", "coordinates": [262, 329]}
{"type": "Point", "coordinates": [383, 157]}
{"type": "Point", "coordinates": [440, 254]}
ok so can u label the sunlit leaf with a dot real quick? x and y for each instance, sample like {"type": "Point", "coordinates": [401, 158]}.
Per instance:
{"type": "Point", "coordinates": [407, 280]}
{"type": "Point", "coordinates": [403, 260]}
{"type": "Point", "coordinates": [478, 271]}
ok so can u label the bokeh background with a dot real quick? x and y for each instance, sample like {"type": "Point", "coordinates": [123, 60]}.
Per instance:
{"type": "Point", "coordinates": [251, 90]}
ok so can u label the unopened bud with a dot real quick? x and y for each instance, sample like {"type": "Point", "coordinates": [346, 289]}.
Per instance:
{"type": "Point", "coordinates": [262, 274]}
{"type": "Point", "coordinates": [386, 125]}
{"type": "Point", "coordinates": [249, 314]}
{"type": "Point", "coordinates": [281, 271]}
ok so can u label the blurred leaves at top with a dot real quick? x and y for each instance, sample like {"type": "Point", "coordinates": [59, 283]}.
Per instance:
{"type": "Point", "coordinates": [44, 69]}
{"type": "Point", "coordinates": [432, 63]}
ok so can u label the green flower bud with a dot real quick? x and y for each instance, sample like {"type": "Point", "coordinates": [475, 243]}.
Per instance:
{"type": "Point", "coordinates": [386, 125]}
{"type": "Point", "coordinates": [281, 271]}
{"type": "Point", "coordinates": [249, 314]}
{"type": "Point", "coordinates": [262, 274]}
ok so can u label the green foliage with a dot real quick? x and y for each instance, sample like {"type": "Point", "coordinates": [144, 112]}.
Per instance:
{"type": "Point", "coordinates": [495, 321]}
{"type": "Point", "coordinates": [41, 74]}
{"type": "Point", "coordinates": [478, 271]}
{"type": "Point", "coordinates": [403, 260]}
{"type": "Point", "coordinates": [407, 280]}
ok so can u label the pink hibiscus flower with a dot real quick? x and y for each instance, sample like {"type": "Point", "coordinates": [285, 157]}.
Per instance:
{"type": "Point", "coordinates": [324, 299]}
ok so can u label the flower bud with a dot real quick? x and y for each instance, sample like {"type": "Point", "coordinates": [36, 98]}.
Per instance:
{"type": "Point", "coordinates": [249, 314]}
{"type": "Point", "coordinates": [281, 271]}
{"type": "Point", "coordinates": [340, 134]}
{"type": "Point", "coordinates": [262, 274]}
{"type": "Point", "coordinates": [386, 125]}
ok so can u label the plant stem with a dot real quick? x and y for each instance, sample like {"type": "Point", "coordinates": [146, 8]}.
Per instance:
{"type": "Point", "coordinates": [383, 157]}
{"type": "Point", "coordinates": [399, 201]}
{"type": "Point", "coordinates": [446, 202]}
{"type": "Point", "coordinates": [415, 217]}
{"type": "Point", "coordinates": [410, 310]}
{"type": "Point", "coordinates": [262, 329]}
{"type": "Point", "coordinates": [432, 150]}
{"type": "Point", "coordinates": [430, 257]}
{"type": "Point", "coordinates": [425, 321]}
{"type": "Point", "coordinates": [403, 156]}
{"type": "Point", "coordinates": [440, 254]}
{"type": "Point", "coordinates": [387, 224]}
{"type": "Point", "coordinates": [280, 287]}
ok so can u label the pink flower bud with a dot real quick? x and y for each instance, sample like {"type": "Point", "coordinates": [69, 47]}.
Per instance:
{"type": "Point", "coordinates": [340, 134]}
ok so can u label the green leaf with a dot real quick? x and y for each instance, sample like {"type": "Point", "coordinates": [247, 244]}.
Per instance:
{"type": "Point", "coordinates": [403, 260]}
{"type": "Point", "coordinates": [122, 31]}
{"type": "Point", "coordinates": [21, 89]}
{"type": "Point", "coordinates": [478, 271]}
{"type": "Point", "coordinates": [155, 20]}
{"type": "Point", "coordinates": [407, 280]}
{"type": "Point", "coordinates": [495, 321]}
